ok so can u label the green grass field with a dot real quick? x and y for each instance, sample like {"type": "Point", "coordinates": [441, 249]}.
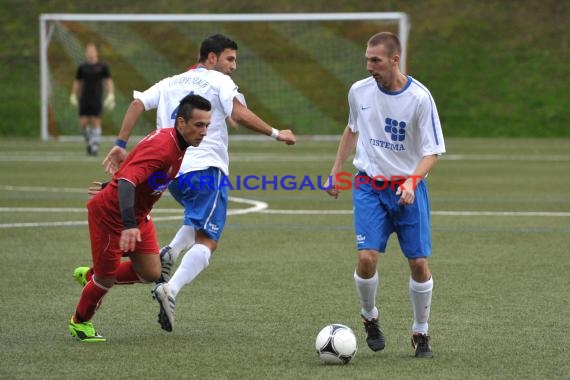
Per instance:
{"type": "Point", "coordinates": [501, 306]}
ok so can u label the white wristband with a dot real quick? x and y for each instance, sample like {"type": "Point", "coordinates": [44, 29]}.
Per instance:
{"type": "Point", "coordinates": [274, 132]}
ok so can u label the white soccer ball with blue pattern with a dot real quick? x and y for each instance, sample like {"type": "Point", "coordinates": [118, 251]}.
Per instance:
{"type": "Point", "coordinates": [336, 344]}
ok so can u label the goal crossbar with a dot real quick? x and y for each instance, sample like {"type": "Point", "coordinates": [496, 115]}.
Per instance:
{"type": "Point", "coordinates": [45, 30]}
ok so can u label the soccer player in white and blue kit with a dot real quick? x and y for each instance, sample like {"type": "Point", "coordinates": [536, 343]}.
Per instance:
{"type": "Point", "coordinates": [394, 127]}
{"type": "Point", "coordinates": [205, 203]}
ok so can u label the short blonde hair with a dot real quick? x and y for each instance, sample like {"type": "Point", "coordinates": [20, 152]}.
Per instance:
{"type": "Point", "coordinates": [389, 40]}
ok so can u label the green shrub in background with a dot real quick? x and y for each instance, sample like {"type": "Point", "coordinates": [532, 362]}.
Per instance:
{"type": "Point", "coordinates": [495, 69]}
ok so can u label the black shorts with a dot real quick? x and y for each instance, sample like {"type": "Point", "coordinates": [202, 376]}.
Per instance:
{"type": "Point", "coordinates": [90, 108]}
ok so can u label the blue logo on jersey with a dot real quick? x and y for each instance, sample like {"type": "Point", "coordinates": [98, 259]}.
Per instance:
{"type": "Point", "coordinates": [175, 112]}
{"type": "Point", "coordinates": [397, 129]}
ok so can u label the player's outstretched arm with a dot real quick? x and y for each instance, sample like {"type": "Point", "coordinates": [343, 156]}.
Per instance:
{"type": "Point", "coordinates": [250, 120]}
{"type": "Point", "coordinates": [346, 146]}
{"type": "Point", "coordinates": [118, 153]}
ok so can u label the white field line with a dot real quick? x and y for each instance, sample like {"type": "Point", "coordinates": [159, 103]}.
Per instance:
{"type": "Point", "coordinates": [43, 189]}
{"type": "Point", "coordinates": [259, 207]}
{"type": "Point", "coordinates": [256, 206]}
{"type": "Point", "coordinates": [439, 213]}
{"type": "Point", "coordinates": [505, 157]}
{"type": "Point", "coordinates": [69, 223]}
{"type": "Point", "coordinates": [75, 209]}
{"type": "Point", "coordinates": [278, 157]}
{"type": "Point", "coordinates": [502, 213]}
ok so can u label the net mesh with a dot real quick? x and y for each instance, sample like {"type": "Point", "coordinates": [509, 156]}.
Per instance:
{"type": "Point", "coordinates": [294, 74]}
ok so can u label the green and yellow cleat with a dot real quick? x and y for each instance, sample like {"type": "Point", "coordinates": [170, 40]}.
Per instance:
{"type": "Point", "coordinates": [85, 332]}
{"type": "Point", "coordinates": [80, 275]}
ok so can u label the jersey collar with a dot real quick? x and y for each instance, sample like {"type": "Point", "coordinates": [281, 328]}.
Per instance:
{"type": "Point", "coordinates": [182, 144]}
{"type": "Point", "coordinates": [408, 83]}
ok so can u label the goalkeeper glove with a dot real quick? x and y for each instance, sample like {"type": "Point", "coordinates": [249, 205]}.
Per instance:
{"type": "Point", "coordinates": [109, 102]}
{"type": "Point", "coordinates": [73, 100]}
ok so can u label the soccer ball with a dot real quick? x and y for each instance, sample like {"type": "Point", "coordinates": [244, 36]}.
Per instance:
{"type": "Point", "coordinates": [336, 344]}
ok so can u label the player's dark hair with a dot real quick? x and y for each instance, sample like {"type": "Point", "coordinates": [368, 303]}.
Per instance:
{"type": "Point", "coordinates": [216, 44]}
{"type": "Point", "coordinates": [191, 102]}
{"type": "Point", "coordinates": [389, 40]}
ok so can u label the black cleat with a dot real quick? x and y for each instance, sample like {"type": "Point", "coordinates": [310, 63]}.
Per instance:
{"type": "Point", "coordinates": [166, 263]}
{"type": "Point", "coordinates": [420, 342]}
{"type": "Point", "coordinates": [92, 149]}
{"type": "Point", "coordinates": [375, 336]}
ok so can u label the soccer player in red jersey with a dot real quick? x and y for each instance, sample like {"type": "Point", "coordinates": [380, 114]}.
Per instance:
{"type": "Point", "coordinates": [118, 215]}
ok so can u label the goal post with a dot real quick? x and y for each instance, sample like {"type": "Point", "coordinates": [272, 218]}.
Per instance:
{"type": "Point", "coordinates": [294, 68]}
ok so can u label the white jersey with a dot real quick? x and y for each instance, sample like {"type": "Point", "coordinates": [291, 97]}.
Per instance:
{"type": "Point", "coordinates": [396, 129]}
{"type": "Point", "coordinates": [219, 89]}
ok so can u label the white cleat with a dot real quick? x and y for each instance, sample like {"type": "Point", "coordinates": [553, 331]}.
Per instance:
{"type": "Point", "coordinates": [161, 293]}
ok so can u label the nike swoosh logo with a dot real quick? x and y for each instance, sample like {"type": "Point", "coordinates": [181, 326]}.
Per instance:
{"type": "Point", "coordinates": [364, 108]}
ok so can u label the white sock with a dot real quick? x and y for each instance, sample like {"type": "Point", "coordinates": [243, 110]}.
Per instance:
{"type": "Point", "coordinates": [193, 262]}
{"type": "Point", "coordinates": [95, 135]}
{"type": "Point", "coordinates": [86, 132]}
{"type": "Point", "coordinates": [366, 291]}
{"type": "Point", "coordinates": [182, 241]}
{"type": "Point", "coordinates": [420, 295]}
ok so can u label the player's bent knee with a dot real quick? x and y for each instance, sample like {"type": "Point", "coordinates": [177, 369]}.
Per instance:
{"type": "Point", "coordinates": [367, 261]}
{"type": "Point", "coordinates": [420, 269]}
{"type": "Point", "coordinates": [419, 263]}
{"type": "Point", "coordinates": [202, 238]}
{"type": "Point", "coordinates": [151, 277]}
{"type": "Point", "coordinates": [149, 274]}
{"type": "Point", "coordinates": [106, 282]}
{"type": "Point", "coordinates": [368, 257]}
{"type": "Point", "coordinates": [154, 274]}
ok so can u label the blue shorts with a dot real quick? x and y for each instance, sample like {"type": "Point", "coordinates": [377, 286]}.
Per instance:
{"type": "Point", "coordinates": [205, 202]}
{"type": "Point", "coordinates": [377, 214]}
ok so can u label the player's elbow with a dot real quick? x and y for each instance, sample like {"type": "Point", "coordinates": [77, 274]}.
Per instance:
{"type": "Point", "coordinates": [240, 113]}
{"type": "Point", "coordinates": [136, 105]}
{"type": "Point", "coordinates": [432, 158]}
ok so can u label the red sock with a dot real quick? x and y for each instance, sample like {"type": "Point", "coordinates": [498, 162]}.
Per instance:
{"type": "Point", "coordinates": [91, 297]}
{"type": "Point", "coordinates": [126, 275]}
{"type": "Point", "coordinates": [89, 274]}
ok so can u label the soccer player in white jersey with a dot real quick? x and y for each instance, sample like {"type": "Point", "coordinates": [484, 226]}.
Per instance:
{"type": "Point", "coordinates": [205, 202]}
{"type": "Point", "coordinates": [394, 126]}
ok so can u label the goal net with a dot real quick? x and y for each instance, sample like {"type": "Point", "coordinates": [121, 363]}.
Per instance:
{"type": "Point", "coordinates": [294, 69]}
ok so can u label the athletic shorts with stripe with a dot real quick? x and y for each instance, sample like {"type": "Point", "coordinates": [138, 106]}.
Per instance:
{"type": "Point", "coordinates": [377, 214]}
{"type": "Point", "coordinates": [205, 202]}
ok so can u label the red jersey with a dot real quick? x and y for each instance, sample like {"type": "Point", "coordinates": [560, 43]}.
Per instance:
{"type": "Point", "coordinates": [150, 166]}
